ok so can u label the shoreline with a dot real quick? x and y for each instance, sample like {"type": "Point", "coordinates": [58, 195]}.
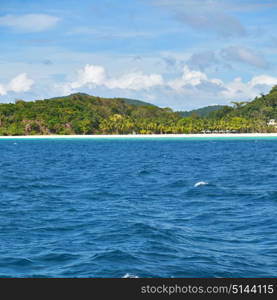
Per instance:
{"type": "Point", "coordinates": [147, 136]}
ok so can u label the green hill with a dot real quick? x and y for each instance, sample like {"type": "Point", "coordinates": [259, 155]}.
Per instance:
{"type": "Point", "coordinates": [201, 112]}
{"type": "Point", "coordinates": [261, 108]}
{"type": "Point", "coordinates": [136, 102]}
{"type": "Point", "coordinates": [84, 114]}
{"type": "Point", "coordinates": [126, 100]}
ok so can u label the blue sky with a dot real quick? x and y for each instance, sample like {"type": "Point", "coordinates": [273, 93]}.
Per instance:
{"type": "Point", "coordinates": [178, 53]}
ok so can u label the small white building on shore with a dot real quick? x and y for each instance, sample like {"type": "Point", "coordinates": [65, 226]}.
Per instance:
{"type": "Point", "coordinates": [272, 122]}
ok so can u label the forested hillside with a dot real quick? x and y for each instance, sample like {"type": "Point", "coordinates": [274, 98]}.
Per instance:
{"type": "Point", "coordinates": [201, 112]}
{"type": "Point", "coordinates": [84, 114]}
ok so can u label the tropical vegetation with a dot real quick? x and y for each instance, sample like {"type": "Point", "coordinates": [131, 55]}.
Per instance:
{"type": "Point", "coordinates": [84, 114]}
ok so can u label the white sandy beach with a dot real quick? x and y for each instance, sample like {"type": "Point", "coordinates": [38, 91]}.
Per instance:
{"type": "Point", "coordinates": [137, 136]}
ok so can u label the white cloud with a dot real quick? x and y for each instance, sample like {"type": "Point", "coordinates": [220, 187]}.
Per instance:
{"type": "Point", "coordinates": [244, 55]}
{"type": "Point", "coordinates": [203, 60]}
{"type": "Point", "coordinates": [2, 90]}
{"type": "Point", "coordinates": [237, 89]}
{"type": "Point", "coordinates": [193, 88]}
{"type": "Point", "coordinates": [191, 78]}
{"type": "Point", "coordinates": [208, 16]}
{"type": "Point", "coordinates": [29, 22]}
{"type": "Point", "coordinates": [263, 80]}
{"type": "Point", "coordinates": [19, 84]}
{"type": "Point", "coordinates": [91, 76]}
{"type": "Point", "coordinates": [136, 81]}
{"type": "Point", "coordinates": [198, 84]}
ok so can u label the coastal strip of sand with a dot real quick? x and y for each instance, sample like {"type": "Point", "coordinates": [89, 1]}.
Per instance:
{"type": "Point", "coordinates": [145, 136]}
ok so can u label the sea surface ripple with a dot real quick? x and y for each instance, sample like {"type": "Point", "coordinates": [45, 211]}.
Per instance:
{"type": "Point", "coordinates": [138, 208]}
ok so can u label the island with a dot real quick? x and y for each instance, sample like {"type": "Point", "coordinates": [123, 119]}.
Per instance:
{"type": "Point", "coordinates": [82, 114]}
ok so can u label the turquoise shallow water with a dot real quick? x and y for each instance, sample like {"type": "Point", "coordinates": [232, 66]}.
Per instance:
{"type": "Point", "coordinates": [107, 208]}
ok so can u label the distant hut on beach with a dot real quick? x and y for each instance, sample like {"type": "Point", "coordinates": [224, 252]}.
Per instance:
{"type": "Point", "coordinates": [271, 122]}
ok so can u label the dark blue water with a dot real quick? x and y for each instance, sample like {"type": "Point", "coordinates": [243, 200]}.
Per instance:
{"type": "Point", "coordinates": [114, 208]}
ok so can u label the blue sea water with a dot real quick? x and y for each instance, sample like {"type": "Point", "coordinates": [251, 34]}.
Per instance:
{"type": "Point", "coordinates": [115, 208]}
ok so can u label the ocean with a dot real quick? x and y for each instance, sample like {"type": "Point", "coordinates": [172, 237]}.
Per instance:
{"type": "Point", "coordinates": [138, 208]}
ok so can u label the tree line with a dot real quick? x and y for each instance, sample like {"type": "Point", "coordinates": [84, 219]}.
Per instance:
{"type": "Point", "coordinates": [84, 114]}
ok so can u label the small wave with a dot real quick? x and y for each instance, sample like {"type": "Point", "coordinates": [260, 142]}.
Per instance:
{"type": "Point", "coordinates": [16, 261]}
{"type": "Point", "coordinates": [115, 256]}
{"type": "Point", "coordinates": [200, 183]}
{"type": "Point", "coordinates": [152, 232]}
{"type": "Point", "coordinates": [58, 257]}
{"type": "Point", "coordinates": [127, 275]}
{"type": "Point", "coordinates": [144, 172]}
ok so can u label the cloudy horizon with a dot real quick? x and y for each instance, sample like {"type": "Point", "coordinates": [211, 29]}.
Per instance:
{"type": "Point", "coordinates": [182, 54]}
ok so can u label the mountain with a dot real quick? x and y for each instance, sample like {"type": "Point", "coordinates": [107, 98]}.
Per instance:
{"type": "Point", "coordinates": [261, 108]}
{"type": "Point", "coordinates": [126, 100]}
{"type": "Point", "coordinates": [136, 102]}
{"type": "Point", "coordinates": [84, 114]}
{"type": "Point", "coordinates": [201, 112]}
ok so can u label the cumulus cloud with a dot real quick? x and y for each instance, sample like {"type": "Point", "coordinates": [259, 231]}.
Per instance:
{"type": "Point", "coordinates": [224, 59]}
{"type": "Point", "coordinates": [237, 89]}
{"type": "Point", "coordinates": [244, 55]}
{"type": "Point", "coordinates": [192, 78]}
{"type": "Point", "coordinates": [29, 22]}
{"type": "Point", "coordinates": [197, 83]}
{"type": "Point", "coordinates": [192, 87]}
{"type": "Point", "coordinates": [2, 90]}
{"type": "Point", "coordinates": [20, 83]}
{"type": "Point", "coordinates": [263, 80]}
{"type": "Point", "coordinates": [136, 81]}
{"type": "Point", "coordinates": [208, 16]}
{"type": "Point", "coordinates": [92, 75]}
{"type": "Point", "coordinates": [202, 60]}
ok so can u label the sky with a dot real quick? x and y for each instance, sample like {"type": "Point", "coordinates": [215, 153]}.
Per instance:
{"type": "Point", "coordinates": [182, 54]}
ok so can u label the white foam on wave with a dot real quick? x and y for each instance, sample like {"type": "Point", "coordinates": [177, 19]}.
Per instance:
{"type": "Point", "coordinates": [200, 183]}
{"type": "Point", "coordinates": [130, 276]}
